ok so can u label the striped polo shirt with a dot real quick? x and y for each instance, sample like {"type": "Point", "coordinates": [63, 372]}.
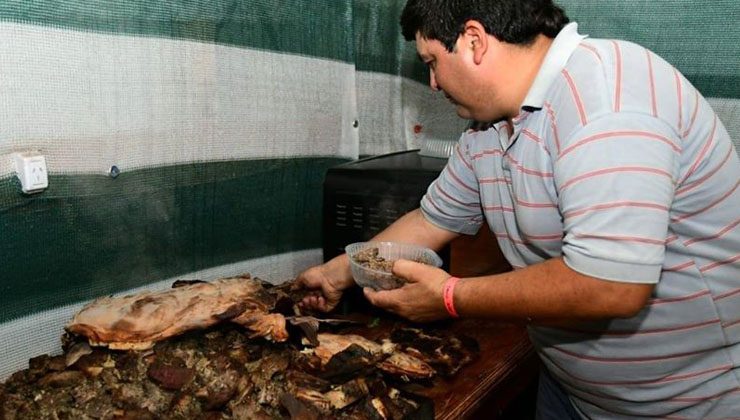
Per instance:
{"type": "Point", "coordinates": [618, 164]}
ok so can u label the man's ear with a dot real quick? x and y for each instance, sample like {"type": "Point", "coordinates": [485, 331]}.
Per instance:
{"type": "Point", "coordinates": [475, 38]}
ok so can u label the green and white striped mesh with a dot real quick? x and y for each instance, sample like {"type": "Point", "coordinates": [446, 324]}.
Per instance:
{"type": "Point", "coordinates": [702, 39]}
{"type": "Point", "coordinates": [222, 117]}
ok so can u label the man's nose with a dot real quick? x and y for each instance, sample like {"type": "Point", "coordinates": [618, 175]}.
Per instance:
{"type": "Point", "coordinates": [433, 81]}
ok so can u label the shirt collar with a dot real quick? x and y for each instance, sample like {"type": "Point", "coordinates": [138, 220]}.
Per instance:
{"type": "Point", "coordinates": [557, 56]}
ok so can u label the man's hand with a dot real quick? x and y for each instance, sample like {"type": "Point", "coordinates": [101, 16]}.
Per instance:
{"type": "Point", "coordinates": [333, 277]}
{"type": "Point", "coordinates": [420, 299]}
{"type": "Point", "coordinates": [327, 281]}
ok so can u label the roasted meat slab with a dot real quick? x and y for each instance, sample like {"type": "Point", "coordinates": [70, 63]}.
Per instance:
{"type": "Point", "coordinates": [137, 321]}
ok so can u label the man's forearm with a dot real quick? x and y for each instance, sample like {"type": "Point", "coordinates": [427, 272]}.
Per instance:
{"type": "Point", "coordinates": [548, 293]}
{"type": "Point", "coordinates": [411, 228]}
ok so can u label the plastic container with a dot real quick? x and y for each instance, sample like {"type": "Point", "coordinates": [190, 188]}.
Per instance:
{"type": "Point", "coordinates": [379, 277]}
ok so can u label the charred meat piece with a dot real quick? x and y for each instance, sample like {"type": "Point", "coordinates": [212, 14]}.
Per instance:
{"type": "Point", "coordinates": [137, 321]}
{"type": "Point", "coordinates": [333, 344]}
{"type": "Point", "coordinates": [182, 283]}
{"type": "Point", "coordinates": [74, 353]}
{"type": "Point", "coordinates": [443, 352]}
{"type": "Point", "coordinates": [307, 402]}
{"type": "Point", "coordinates": [347, 393]}
{"type": "Point", "coordinates": [390, 403]}
{"type": "Point", "coordinates": [341, 356]}
{"type": "Point", "coordinates": [172, 375]}
{"type": "Point", "coordinates": [299, 379]}
{"type": "Point", "coordinates": [406, 367]}
{"type": "Point", "coordinates": [310, 325]}
{"type": "Point", "coordinates": [62, 379]}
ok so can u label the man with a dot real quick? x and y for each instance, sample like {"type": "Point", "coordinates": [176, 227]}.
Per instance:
{"type": "Point", "coordinates": [612, 188]}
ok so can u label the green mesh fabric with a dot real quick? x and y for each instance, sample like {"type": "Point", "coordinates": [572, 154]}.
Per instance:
{"type": "Point", "coordinates": [321, 28]}
{"type": "Point", "coordinates": [702, 39]}
{"type": "Point", "coordinates": [90, 235]}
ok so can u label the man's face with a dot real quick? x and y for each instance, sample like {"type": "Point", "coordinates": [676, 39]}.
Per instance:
{"type": "Point", "coordinates": [447, 73]}
{"type": "Point", "coordinates": [483, 77]}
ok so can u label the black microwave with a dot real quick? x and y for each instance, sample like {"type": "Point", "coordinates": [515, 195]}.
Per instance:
{"type": "Point", "coordinates": [364, 196]}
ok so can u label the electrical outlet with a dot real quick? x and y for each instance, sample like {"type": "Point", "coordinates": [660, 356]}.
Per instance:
{"type": "Point", "coordinates": [30, 167]}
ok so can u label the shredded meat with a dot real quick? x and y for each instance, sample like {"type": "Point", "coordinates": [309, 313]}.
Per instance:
{"type": "Point", "coordinates": [369, 258]}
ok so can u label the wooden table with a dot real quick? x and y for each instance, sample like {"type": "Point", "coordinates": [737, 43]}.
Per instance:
{"type": "Point", "coordinates": [506, 365]}
{"type": "Point", "coordinates": [507, 362]}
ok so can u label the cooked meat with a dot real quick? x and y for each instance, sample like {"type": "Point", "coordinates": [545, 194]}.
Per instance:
{"type": "Point", "coordinates": [171, 375]}
{"type": "Point", "coordinates": [347, 393]}
{"type": "Point", "coordinates": [269, 326]}
{"type": "Point", "coordinates": [299, 379]}
{"type": "Point", "coordinates": [333, 344]}
{"type": "Point", "coordinates": [309, 326]}
{"type": "Point", "coordinates": [371, 259]}
{"type": "Point", "coordinates": [406, 367]}
{"type": "Point", "coordinates": [137, 321]}
{"type": "Point", "coordinates": [442, 351]}
{"type": "Point", "coordinates": [340, 357]}
{"type": "Point", "coordinates": [62, 379]}
{"type": "Point", "coordinates": [301, 409]}
{"type": "Point", "coordinates": [390, 403]}
{"type": "Point", "coordinates": [75, 352]}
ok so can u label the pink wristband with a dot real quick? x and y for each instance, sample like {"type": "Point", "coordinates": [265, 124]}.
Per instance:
{"type": "Point", "coordinates": [448, 295]}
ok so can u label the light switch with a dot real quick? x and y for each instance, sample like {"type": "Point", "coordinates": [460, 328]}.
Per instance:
{"type": "Point", "coordinates": [31, 171]}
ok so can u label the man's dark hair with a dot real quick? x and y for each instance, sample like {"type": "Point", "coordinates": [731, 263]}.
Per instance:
{"type": "Point", "coordinates": [512, 21]}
